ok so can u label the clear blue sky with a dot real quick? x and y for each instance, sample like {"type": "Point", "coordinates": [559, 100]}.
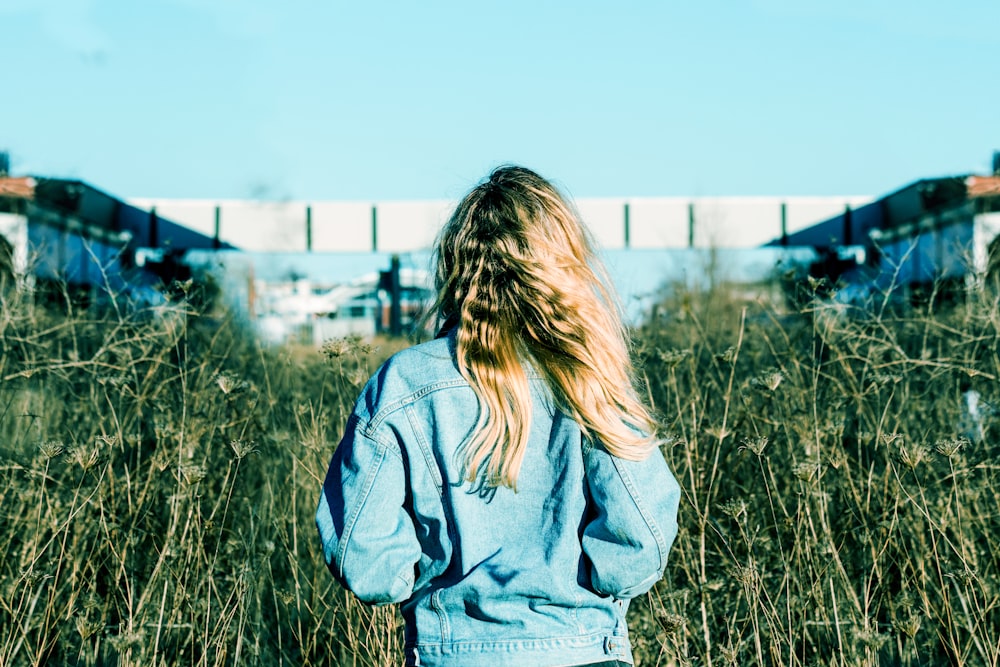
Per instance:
{"type": "Point", "coordinates": [377, 100]}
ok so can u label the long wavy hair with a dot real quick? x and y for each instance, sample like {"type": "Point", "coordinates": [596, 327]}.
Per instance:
{"type": "Point", "coordinates": [518, 277]}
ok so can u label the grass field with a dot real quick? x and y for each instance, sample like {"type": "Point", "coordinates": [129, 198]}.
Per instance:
{"type": "Point", "coordinates": [159, 473]}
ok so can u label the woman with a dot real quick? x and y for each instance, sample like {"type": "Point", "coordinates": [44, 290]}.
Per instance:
{"type": "Point", "coordinates": [502, 481]}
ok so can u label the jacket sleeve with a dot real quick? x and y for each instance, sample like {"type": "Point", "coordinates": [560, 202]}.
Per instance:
{"type": "Point", "coordinates": [368, 538]}
{"type": "Point", "coordinates": [633, 521]}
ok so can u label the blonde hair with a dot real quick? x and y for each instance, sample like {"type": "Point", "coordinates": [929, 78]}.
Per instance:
{"type": "Point", "coordinates": [518, 277]}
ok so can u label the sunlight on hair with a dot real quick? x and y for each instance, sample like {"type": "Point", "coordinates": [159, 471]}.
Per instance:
{"type": "Point", "coordinates": [518, 276]}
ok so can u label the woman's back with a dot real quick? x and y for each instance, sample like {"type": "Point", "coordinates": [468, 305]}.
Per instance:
{"type": "Point", "coordinates": [535, 576]}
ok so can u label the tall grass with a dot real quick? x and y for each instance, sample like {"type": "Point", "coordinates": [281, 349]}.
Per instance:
{"type": "Point", "coordinates": [159, 472]}
{"type": "Point", "coordinates": [840, 508]}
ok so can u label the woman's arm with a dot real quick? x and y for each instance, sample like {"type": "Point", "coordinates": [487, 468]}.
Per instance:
{"type": "Point", "coordinates": [369, 542]}
{"type": "Point", "coordinates": [634, 510]}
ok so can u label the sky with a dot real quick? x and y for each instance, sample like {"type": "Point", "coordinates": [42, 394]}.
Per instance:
{"type": "Point", "coordinates": [392, 100]}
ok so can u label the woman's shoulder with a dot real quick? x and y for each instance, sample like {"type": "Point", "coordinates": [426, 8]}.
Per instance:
{"type": "Point", "coordinates": [409, 374]}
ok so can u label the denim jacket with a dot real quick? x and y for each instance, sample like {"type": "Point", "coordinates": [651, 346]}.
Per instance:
{"type": "Point", "coordinates": [541, 576]}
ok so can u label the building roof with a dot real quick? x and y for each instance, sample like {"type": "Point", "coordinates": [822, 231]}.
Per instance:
{"type": "Point", "coordinates": [17, 188]}
{"type": "Point", "coordinates": [982, 186]}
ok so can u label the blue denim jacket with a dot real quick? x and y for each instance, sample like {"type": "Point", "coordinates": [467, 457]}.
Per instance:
{"type": "Point", "coordinates": [540, 576]}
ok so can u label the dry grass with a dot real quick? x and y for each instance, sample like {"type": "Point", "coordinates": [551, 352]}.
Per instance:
{"type": "Point", "coordinates": [159, 472]}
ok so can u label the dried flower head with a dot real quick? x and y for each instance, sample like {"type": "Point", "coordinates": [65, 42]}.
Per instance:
{"type": "Point", "coordinates": [335, 348]}
{"type": "Point", "coordinates": [673, 358]}
{"type": "Point", "coordinates": [890, 438]}
{"type": "Point", "coordinates": [734, 508]}
{"type": "Point", "coordinates": [871, 638]}
{"type": "Point", "coordinates": [806, 470]}
{"type": "Point", "coordinates": [192, 473]}
{"type": "Point", "coordinates": [125, 641]}
{"type": "Point", "coordinates": [51, 449]}
{"type": "Point", "coordinates": [908, 626]}
{"type": "Point", "coordinates": [85, 457]}
{"type": "Point", "coordinates": [912, 455]}
{"type": "Point", "coordinates": [727, 357]}
{"type": "Point", "coordinates": [230, 384]}
{"type": "Point", "coordinates": [755, 444]}
{"type": "Point", "coordinates": [88, 627]}
{"type": "Point", "coordinates": [672, 623]}
{"type": "Point", "coordinates": [730, 654]}
{"type": "Point", "coordinates": [720, 433]}
{"type": "Point", "coordinates": [242, 448]}
{"type": "Point", "coordinates": [950, 448]}
{"type": "Point", "coordinates": [769, 380]}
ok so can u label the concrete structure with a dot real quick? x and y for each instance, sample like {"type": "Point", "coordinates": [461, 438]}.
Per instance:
{"type": "Point", "coordinates": [409, 226]}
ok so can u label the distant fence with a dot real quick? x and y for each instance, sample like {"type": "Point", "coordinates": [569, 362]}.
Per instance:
{"type": "Point", "coordinates": [407, 226]}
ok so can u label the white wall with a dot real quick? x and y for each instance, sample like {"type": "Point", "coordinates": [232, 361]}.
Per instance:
{"type": "Point", "coordinates": [404, 226]}
{"type": "Point", "coordinates": [14, 228]}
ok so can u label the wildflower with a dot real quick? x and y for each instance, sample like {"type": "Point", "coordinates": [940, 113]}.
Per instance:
{"type": "Point", "coordinates": [192, 473]}
{"type": "Point", "coordinates": [730, 654]}
{"type": "Point", "coordinates": [729, 356]}
{"type": "Point", "coordinates": [125, 641]}
{"type": "Point", "coordinates": [836, 458]}
{"type": "Point", "coordinates": [673, 358]}
{"type": "Point", "coordinates": [734, 508]}
{"type": "Point", "coordinates": [87, 627]}
{"type": "Point", "coordinates": [889, 438]}
{"type": "Point", "coordinates": [769, 380]}
{"type": "Point", "coordinates": [755, 444]}
{"type": "Point", "coordinates": [909, 625]}
{"type": "Point", "coordinates": [672, 622]}
{"type": "Point", "coordinates": [230, 384]}
{"type": "Point", "coordinates": [51, 449]}
{"type": "Point", "coordinates": [950, 448]}
{"type": "Point", "coordinates": [85, 457]}
{"type": "Point", "coordinates": [912, 455]}
{"type": "Point", "coordinates": [871, 638]}
{"type": "Point", "coordinates": [335, 348]}
{"type": "Point", "coordinates": [749, 577]}
{"type": "Point", "coordinates": [242, 448]}
{"type": "Point", "coordinates": [806, 470]}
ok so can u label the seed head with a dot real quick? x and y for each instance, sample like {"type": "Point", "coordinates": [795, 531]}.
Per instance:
{"type": "Point", "coordinates": [673, 358]}
{"type": "Point", "coordinates": [755, 444]}
{"type": "Point", "coordinates": [230, 384]}
{"type": "Point", "coordinates": [769, 380]}
{"type": "Point", "coordinates": [734, 508]}
{"type": "Point", "coordinates": [51, 449]}
{"type": "Point", "coordinates": [242, 448]}
{"type": "Point", "coordinates": [727, 357]}
{"type": "Point", "coordinates": [672, 623]}
{"type": "Point", "coordinates": [87, 627]}
{"type": "Point", "coordinates": [871, 638]}
{"type": "Point", "coordinates": [890, 438]}
{"type": "Point", "coordinates": [949, 448]}
{"type": "Point", "coordinates": [335, 348]}
{"type": "Point", "coordinates": [912, 455]}
{"type": "Point", "coordinates": [909, 625]}
{"type": "Point", "coordinates": [806, 470]}
{"type": "Point", "coordinates": [192, 473]}
{"type": "Point", "coordinates": [125, 641]}
{"type": "Point", "coordinates": [85, 457]}
{"type": "Point", "coordinates": [720, 433]}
